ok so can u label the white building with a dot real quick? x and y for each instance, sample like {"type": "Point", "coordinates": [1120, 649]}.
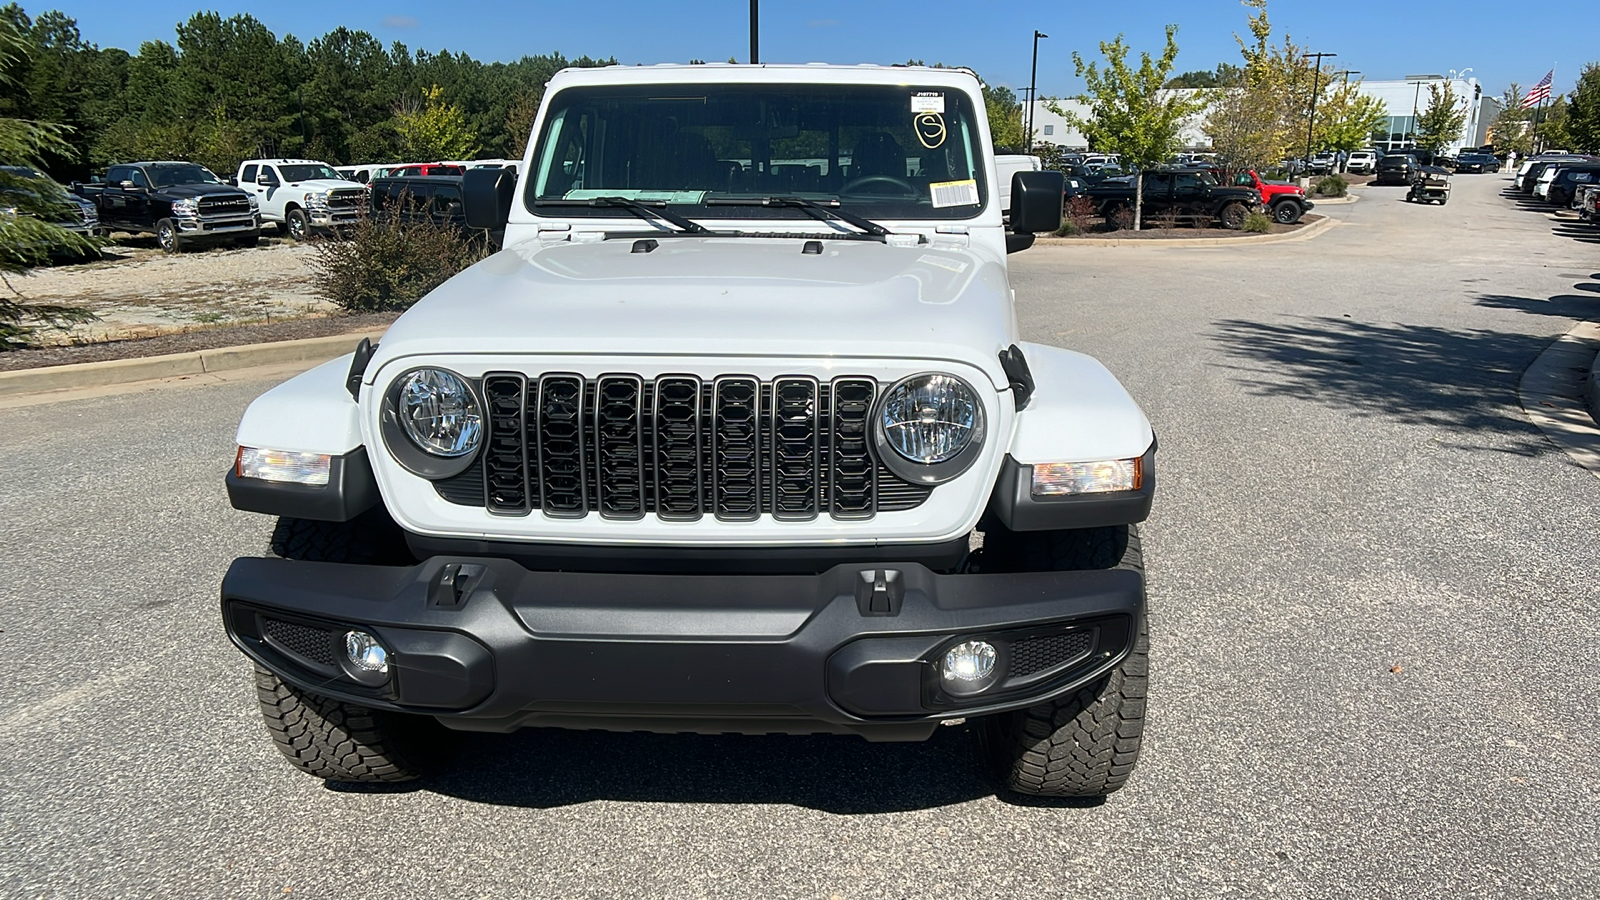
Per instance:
{"type": "Point", "coordinates": [1405, 99]}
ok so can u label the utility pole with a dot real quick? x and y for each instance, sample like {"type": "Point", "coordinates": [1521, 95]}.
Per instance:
{"type": "Point", "coordinates": [1311, 125]}
{"type": "Point", "coordinates": [1033, 81]}
{"type": "Point", "coordinates": [755, 32]}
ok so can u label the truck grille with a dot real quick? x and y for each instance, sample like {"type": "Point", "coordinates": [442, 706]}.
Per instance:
{"type": "Point", "coordinates": [347, 198]}
{"type": "Point", "coordinates": [223, 205]}
{"type": "Point", "coordinates": [680, 448]}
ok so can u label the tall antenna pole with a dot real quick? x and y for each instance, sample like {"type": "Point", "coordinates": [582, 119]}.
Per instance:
{"type": "Point", "coordinates": [1033, 81]}
{"type": "Point", "coordinates": [755, 32]}
{"type": "Point", "coordinates": [1311, 125]}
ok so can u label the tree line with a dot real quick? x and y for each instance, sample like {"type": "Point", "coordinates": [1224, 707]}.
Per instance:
{"type": "Point", "coordinates": [228, 89]}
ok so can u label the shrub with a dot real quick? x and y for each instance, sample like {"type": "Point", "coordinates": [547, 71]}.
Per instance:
{"type": "Point", "coordinates": [1332, 186]}
{"type": "Point", "coordinates": [1257, 223]}
{"type": "Point", "coordinates": [388, 266]}
{"type": "Point", "coordinates": [1080, 212]}
{"type": "Point", "coordinates": [1068, 228]}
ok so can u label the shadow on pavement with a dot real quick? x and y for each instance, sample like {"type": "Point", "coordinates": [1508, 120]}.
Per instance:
{"type": "Point", "coordinates": [543, 768]}
{"type": "Point", "coordinates": [1462, 381]}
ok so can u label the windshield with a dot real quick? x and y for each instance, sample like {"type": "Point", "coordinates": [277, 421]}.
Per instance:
{"type": "Point", "coordinates": [308, 172]}
{"type": "Point", "coordinates": [188, 173]}
{"type": "Point", "coordinates": [881, 151]}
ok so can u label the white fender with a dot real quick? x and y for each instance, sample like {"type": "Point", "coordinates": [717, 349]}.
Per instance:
{"type": "Point", "coordinates": [310, 413]}
{"type": "Point", "coordinates": [1079, 412]}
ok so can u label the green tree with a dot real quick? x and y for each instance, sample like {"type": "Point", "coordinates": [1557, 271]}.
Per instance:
{"type": "Point", "coordinates": [1510, 129]}
{"type": "Point", "coordinates": [1552, 130]}
{"type": "Point", "coordinates": [1259, 118]}
{"type": "Point", "coordinates": [1130, 113]}
{"type": "Point", "coordinates": [1223, 74]}
{"type": "Point", "coordinates": [434, 129]}
{"type": "Point", "coordinates": [1347, 118]}
{"type": "Point", "coordinates": [32, 204]}
{"type": "Point", "coordinates": [1583, 110]}
{"type": "Point", "coordinates": [1005, 118]}
{"type": "Point", "coordinates": [1440, 124]}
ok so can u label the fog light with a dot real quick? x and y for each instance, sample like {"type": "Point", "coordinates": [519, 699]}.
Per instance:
{"type": "Point", "coordinates": [365, 652]}
{"type": "Point", "coordinates": [968, 664]}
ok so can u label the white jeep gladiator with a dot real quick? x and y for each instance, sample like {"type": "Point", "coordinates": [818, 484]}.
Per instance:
{"type": "Point", "coordinates": [736, 434]}
{"type": "Point", "coordinates": [302, 196]}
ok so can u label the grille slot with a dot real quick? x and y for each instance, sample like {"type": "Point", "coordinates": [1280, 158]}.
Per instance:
{"type": "Point", "coordinates": [732, 447]}
{"type": "Point", "coordinates": [1036, 654]}
{"type": "Point", "coordinates": [312, 644]}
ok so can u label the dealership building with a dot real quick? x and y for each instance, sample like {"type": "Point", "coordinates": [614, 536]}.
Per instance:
{"type": "Point", "coordinates": [1405, 99]}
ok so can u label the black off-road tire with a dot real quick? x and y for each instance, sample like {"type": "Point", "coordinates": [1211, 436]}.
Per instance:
{"type": "Point", "coordinates": [296, 225]}
{"type": "Point", "coordinates": [1085, 744]}
{"type": "Point", "coordinates": [342, 742]}
{"type": "Point", "coordinates": [329, 738]}
{"type": "Point", "coordinates": [1287, 212]}
{"type": "Point", "coordinates": [1232, 216]}
{"type": "Point", "coordinates": [168, 238]}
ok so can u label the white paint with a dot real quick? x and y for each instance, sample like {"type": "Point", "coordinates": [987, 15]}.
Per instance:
{"type": "Point", "coordinates": [310, 413]}
{"type": "Point", "coordinates": [1079, 412]}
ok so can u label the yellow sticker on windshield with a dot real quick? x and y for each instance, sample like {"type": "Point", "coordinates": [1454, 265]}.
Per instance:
{"type": "Point", "coordinates": [954, 193]}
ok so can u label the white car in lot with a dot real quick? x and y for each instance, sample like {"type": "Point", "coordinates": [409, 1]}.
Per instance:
{"type": "Point", "coordinates": [1362, 162]}
{"type": "Point", "coordinates": [302, 196]}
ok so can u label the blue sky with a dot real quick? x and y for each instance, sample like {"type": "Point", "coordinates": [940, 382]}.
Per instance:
{"type": "Point", "coordinates": [1500, 41]}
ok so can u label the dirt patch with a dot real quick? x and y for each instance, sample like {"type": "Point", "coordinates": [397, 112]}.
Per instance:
{"type": "Point", "coordinates": [137, 291]}
{"type": "Point", "coordinates": [1164, 232]}
{"type": "Point", "coordinates": [201, 339]}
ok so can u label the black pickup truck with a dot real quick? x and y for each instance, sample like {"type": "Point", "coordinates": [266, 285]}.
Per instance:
{"type": "Point", "coordinates": [1192, 194]}
{"type": "Point", "coordinates": [181, 203]}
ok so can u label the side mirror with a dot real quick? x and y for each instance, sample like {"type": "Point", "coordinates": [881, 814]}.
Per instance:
{"type": "Point", "coordinates": [265, 180]}
{"type": "Point", "coordinates": [1036, 199]}
{"type": "Point", "coordinates": [128, 186]}
{"type": "Point", "coordinates": [232, 181]}
{"type": "Point", "coordinates": [486, 197]}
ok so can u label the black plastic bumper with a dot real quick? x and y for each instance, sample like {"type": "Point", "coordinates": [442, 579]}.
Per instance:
{"type": "Point", "coordinates": [484, 644]}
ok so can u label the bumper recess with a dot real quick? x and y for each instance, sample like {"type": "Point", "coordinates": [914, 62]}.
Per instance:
{"type": "Point", "coordinates": [485, 644]}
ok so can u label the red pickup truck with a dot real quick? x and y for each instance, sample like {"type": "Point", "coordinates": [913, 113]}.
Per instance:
{"type": "Point", "coordinates": [1285, 202]}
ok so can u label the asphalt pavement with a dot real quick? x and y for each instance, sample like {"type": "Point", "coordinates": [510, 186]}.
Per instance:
{"type": "Point", "coordinates": [1374, 606]}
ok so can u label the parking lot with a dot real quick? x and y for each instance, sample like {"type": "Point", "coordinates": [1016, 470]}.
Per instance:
{"type": "Point", "coordinates": [1372, 588]}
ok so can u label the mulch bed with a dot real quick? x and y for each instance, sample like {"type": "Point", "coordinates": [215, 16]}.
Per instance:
{"type": "Point", "coordinates": [200, 339]}
{"type": "Point", "coordinates": [1156, 233]}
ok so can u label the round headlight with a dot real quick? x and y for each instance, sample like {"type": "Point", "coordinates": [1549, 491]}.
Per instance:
{"type": "Point", "coordinates": [930, 419]}
{"type": "Point", "coordinates": [439, 412]}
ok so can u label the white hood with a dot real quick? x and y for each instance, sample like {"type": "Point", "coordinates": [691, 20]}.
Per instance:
{"type": "Point", "coordinates": [323, 184]}
{"type": "Point", "coordinates": [719, 297]}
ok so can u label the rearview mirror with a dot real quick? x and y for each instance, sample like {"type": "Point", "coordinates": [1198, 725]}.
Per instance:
{"type": "Point", "coordinates": [486, 197]}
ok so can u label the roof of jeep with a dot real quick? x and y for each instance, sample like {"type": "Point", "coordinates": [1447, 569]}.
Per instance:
{"type": "Point", "coordinates": [817, 73]}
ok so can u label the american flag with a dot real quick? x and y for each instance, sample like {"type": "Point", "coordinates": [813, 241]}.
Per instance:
{"type": "Point", "coordinates": [1541, 91]}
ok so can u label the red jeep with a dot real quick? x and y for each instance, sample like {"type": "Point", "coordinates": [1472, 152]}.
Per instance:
{"type": "Point", "coordinates": [1285, 202]}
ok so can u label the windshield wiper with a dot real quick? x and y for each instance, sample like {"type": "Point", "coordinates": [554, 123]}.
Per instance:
{"type": "Point", "coordinates": [822, 211]}
{"type": "Point", "coordinates": [642, 210]}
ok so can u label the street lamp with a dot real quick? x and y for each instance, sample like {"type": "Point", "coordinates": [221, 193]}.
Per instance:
{"type": "Point", "coordinates": [755, 31]}
{"type": "Point", "coordinates": [1311, 125]}
{"type": "Point", "coordinates": [1033, 81]}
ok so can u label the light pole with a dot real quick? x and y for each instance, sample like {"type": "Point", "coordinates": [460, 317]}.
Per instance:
{"type": "Point", "coordinates": [755, 31]}
{"type": "Point", "coordinates": [1033, 81]}
{"type": "Point", "coordinates": [1312, 124]}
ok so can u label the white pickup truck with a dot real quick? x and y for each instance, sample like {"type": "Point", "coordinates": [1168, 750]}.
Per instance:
{"type": "Point", "coordinates": [302, 196]}
{"type": "Point", "coordinates": [737, 434]}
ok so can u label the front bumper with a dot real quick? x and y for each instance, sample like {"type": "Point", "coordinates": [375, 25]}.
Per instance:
{"type": "Point", "coordinates": [487, 645]}
{"type": "Point", "coordinates": [337, 218]}
{"type": "Point", "coordinates": [191, 227]}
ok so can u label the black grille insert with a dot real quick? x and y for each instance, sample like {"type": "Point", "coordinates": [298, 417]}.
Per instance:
{"type": "Point", "coordinates": [1039, 653]}
{"type": "Point", "coordinates": [681, 448]}
{"type": "Point", "coordinates": [312, 644]}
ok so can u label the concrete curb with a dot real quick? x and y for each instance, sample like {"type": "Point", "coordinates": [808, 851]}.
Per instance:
{"type": "Point", "coordinates": [1306, 233]}
{"type": "Point", "coordinates": [1560, 400]}
{"type": "Point", "coordinates": [1335, 201]}
{"type": "Point", "coordinates": [194, 362]}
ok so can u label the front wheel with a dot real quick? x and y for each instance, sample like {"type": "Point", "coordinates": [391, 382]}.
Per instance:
{"type": "Point", "coordinates": [296, 223]}
{"type": "Point", "coordinates": [1233, 216]}
{"type": "Point", "coordinates": [1087, 743]}
{"type": "Point", "coordinates": [343, 742]}
{"type": "Point", "coordinates": [167, 236]}
{"type": "Point", "coordinates": [1286, 213]}
{"type": "Point", "coordinates": [249, 240]}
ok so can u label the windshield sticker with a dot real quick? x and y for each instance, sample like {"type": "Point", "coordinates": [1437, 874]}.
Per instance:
{"type": "Point", "coordinates": [954, 193]}
{"type": "Point", "coordinates": [931, 130]}
{"type": "Point", "coordinates": [927, 102]}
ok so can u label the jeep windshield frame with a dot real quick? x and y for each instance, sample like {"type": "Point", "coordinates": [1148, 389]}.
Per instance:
{"type": "Point", "coordinates": [725, 151]}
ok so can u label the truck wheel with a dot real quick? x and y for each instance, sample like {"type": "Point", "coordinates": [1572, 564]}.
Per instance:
{"type": "Point", "coordinates": [167, 236]}
{"type": "Point", "coordinates": [1233, 216]}
{"type": "Point", "coordinates": [249, 240]}
{"type": "Point", "coordinates": [370, 539]}
{"type": "Point", "coordinates": [296, 224]}
{"type": "Point", "coordinates": [340, 741]}
{"type": "Point", "coordinates": [1287, 212]}
{"type": "Point", "coordinates": [1085, 744]}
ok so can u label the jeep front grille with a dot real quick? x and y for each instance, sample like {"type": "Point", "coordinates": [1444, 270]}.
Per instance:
{"type": "Point", "coordinates": [680, 448]}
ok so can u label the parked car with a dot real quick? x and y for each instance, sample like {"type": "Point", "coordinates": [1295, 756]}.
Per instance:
{"type": "Point", "coordinates": [1562, 188]}
{"type": "Point", "coordinates": [181, 203]}
{"type": "Point", "coordinates": [1362, 162]}
{"type": "Point", "coordinates": [1586, 209]}
{"type": "Point", "coordinates": [673, 474]}
{"type": "Point", "coordinates": [1476, 163]}
{"type": "Point", "coordinates": [1008, 164]}
{"type": "Point", "coordinates": [1431, 185]}
{"type": "Point", "coordinates": [1537, 166]}
{"type": "Point", "coordinates": [407, 199]}
{"type": "Point", "coordinates": [301, 196]}
{"type": "Point", "coordinates": [1397, 168]}
{"type": "Point", "coordinates": [1322, 163]}
{"type": "Point", "coordinates": [76, 214]}
{"type": "Point", "coordinates": [1285, 202]}
{"type": "Point", "coordinates": [1187, 194]}
{"type": "Point", "coordinates": [424, 170]}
